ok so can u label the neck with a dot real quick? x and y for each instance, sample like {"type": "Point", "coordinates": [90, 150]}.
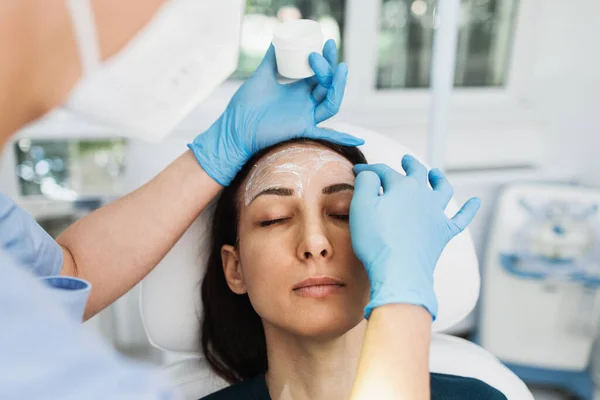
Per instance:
{"type": "Point", "coordinates": [312, 369]}
{"type": "Point", "coordinates": [40, 61]}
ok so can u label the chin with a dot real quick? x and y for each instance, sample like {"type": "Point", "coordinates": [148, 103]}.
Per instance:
{"type": "Point", "coordinates": [325, 323]}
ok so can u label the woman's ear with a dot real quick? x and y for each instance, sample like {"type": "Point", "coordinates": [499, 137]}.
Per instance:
{"type": "Point", "coordinates": [232, 269]}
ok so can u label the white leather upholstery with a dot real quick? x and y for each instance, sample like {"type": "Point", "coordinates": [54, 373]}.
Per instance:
{"type": "Point", "coordinates": [170, 295]}
{"type": "Point", "coordinates": [454, 356]}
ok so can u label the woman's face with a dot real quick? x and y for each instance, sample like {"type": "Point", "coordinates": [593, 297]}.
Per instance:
{"type": "Point", "coordinates": [294, 256]}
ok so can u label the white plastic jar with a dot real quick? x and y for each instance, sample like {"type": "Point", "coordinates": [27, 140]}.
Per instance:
{"type": "Point", "coordinates": [294, 41]}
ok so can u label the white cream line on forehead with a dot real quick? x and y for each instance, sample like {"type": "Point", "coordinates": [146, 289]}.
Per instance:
{"type": "Point", "coordinates": [265, 173]}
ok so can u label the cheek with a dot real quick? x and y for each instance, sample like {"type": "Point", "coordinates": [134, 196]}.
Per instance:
{"type": "Point", "coordinates": [341, 241]}
{"type": "Point", "coordinates": [344, 254]}
{"type": "Point", "coordinates": [265, 263]}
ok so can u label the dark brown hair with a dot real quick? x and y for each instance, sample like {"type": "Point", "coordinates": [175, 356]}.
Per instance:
{"type": "Point", "coordinates": [233, 339]}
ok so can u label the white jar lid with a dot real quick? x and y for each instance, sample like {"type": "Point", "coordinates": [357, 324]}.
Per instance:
{"type": "Point", "coordinates": [297, 34]}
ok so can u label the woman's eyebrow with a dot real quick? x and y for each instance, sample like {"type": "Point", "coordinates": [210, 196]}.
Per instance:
{"type": "Point", "coordinates": [277, 191]}
{"type": "Point", "coordinates": [338, 187]}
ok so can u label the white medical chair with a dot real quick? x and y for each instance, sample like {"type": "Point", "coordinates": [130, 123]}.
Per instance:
{"type": "Point", "coordinates": [171, 308]}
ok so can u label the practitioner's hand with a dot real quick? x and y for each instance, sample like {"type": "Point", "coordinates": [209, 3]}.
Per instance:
{"type": "Point", "coordinates": [400, 235]}
{"type": "Point", "coordinates": [264, 112]}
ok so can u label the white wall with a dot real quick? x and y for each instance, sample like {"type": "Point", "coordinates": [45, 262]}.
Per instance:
{"type": "Point", "coordinates": [566, 84]}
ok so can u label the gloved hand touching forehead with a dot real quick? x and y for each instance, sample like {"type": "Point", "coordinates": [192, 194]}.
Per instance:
{"type": "Point", "coordinates": [400, 235]}
{"type": "Point", "coordinates": [264, 112]}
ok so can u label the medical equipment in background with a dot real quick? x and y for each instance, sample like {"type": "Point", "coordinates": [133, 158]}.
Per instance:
{"type": "Point", "coordinates": [171, 309]}
{"type": "Point", "coordinates": [540, 303]}
{"type": "Point", "coordinates": [59, 181]}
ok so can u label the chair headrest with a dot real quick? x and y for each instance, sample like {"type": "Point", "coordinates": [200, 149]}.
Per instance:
{"type": "Point", "coordinates": [170, 295]}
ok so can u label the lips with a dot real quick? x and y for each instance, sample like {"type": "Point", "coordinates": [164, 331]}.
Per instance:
{"type": "Point", "coordinates": [318, 281]}
{"type": "Point", "coordinates": [318, 287]}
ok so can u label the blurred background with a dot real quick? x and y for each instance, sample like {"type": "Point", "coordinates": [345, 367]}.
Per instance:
{"type": "Point", "coordinates": [524, 113]}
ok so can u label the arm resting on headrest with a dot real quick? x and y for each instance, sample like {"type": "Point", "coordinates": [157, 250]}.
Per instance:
{"type": "Point", "coordinates": [116, 246]}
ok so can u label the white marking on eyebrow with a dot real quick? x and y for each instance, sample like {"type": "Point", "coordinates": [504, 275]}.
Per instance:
{"type": "Point", "coordinates": [259, 180]}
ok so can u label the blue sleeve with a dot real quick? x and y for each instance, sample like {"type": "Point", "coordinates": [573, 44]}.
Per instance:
{"type": "Point", "coordinates": [25, 240]}
{"type": "Point", "coordinates": [44, 353]}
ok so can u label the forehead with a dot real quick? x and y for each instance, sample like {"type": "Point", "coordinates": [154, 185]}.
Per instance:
{"type": "Point", "coordinates": [295, 160]}
{"type": "Point", "coordinates": [311, 156]}
{"type": "Point", "coordinates": [297, 165]}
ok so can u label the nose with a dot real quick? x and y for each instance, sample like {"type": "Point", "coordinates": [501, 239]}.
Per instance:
{"type": "Point", "coordinates": [315, 243]}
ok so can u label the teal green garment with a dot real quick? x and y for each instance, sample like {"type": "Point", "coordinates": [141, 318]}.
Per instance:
{"type": "Point", "coordinates": [443, 387]}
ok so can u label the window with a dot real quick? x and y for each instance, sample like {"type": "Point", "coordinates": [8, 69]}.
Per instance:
{"type": "Point", "coordinates": [263, 15]}
{"type": "Point", "coordinates": [406, 38]}
{"type": "Point", "coordinates": [68, 169]}
{"type": "Point", "coordinates": [406, 30]}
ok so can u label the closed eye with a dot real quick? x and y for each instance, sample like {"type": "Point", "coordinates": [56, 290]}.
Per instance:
{"type": "Point", "coordinates": [341, 217]}
{"type": "Point", "coordinates": [272, 222]}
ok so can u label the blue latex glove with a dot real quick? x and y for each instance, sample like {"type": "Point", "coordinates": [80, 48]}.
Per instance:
{"type": "Point", "coordinates": [264, 112]}
{"type": "Point", "coordinates": [399, 235]}
{"type": "Point", "coordinates": [26, 241]}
